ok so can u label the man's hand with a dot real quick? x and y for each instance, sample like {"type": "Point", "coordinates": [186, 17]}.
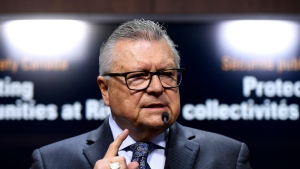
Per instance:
{"type": "Point", "coordinates": [111, 155]}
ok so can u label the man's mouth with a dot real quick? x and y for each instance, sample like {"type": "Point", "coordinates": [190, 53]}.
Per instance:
{"type": "Point", "coordinates": [155, 106]}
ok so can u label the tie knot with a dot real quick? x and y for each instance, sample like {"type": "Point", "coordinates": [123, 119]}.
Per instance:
{"type": "Point", "coordinates": [142, 149]}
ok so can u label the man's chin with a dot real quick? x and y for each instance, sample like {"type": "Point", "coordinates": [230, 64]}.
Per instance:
{"type": "Point", "coordinates": [156, 125]}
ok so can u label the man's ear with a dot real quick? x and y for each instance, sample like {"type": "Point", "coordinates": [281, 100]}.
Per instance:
{"type": "Point", "coordinates": [102, 83]}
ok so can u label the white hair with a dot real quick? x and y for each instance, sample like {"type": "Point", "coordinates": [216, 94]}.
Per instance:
{"type": "Point", "coordinates": [138, 29]}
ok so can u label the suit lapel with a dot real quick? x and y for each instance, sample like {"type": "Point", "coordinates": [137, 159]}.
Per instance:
{"type": "Point", "coordinates": [99, 141]}
{"type": "Point", "coordinates": [181, 152]}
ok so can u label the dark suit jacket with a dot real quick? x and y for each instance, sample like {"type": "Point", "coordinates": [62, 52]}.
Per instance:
{"type": "Point", "coordinates": [187, 148]}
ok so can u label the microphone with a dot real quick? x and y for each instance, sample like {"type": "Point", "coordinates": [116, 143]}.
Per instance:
{"type": "Point", "coordinates": [165, 118]}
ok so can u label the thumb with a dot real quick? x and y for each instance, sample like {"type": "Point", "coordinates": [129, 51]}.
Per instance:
{"type": "Point", "coordinates": [133, 165]}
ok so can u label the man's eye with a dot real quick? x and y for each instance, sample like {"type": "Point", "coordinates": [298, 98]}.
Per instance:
{"type": "Point", "coordinates": [138, 75]}
{"type": "Point", "coordinates": [167, 73]}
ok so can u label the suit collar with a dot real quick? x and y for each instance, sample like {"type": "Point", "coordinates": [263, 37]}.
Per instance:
{"type": "Point", "coordinates": [181, 151]}
{"type": "Point", "coordinates": [99, 141]}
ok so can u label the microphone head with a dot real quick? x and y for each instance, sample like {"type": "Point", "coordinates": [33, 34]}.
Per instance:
{"type": "Point", "coordinates": [165, 116]}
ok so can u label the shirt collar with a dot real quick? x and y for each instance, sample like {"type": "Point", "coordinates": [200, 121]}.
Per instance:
{"type": "Point", "coordinates": [116, 130]}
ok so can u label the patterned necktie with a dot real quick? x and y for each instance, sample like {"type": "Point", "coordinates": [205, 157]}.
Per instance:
{"type": "Point", "coordinates": [140, 153]}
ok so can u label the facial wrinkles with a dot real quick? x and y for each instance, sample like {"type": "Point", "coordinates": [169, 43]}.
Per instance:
{"type": "Point", "coordinates": [160, 59]}
{"type": "Point", "coordinates": [147, 56]}
{"type": "Point", "coordinates": [157, 59]}
{"type": "Point", "coordinates": [141, 56]}
{"type": "Point", "coordinates": [124, 63]}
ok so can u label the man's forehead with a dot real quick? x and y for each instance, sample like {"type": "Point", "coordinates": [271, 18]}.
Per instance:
{"type": "Point", "coordinates": [139, 51]}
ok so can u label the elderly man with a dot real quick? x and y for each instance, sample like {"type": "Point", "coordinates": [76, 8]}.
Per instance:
{"type": "Point", "coordinates": [139, 78]}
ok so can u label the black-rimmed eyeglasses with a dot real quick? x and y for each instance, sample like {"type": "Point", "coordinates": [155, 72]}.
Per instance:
{"type": "Point", "coordinates": [140, 80]}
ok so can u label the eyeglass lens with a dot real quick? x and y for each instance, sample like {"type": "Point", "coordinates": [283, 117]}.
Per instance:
{"type": "Point", "coordinates": [141, 80]}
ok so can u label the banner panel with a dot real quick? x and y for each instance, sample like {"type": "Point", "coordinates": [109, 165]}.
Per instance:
{"type": "Point", "coordinates": [242, 80]}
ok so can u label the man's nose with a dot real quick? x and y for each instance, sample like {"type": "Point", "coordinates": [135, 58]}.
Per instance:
{"type": "Point", "coordinates": [155, 85]}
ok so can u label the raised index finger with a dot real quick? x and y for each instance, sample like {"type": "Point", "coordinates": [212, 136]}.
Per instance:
{"type": "Point", "coordinates": [114, 146]}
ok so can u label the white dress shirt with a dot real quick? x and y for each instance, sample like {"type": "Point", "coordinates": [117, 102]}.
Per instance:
{"type": "Point", "coordinates": [156, 159]}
